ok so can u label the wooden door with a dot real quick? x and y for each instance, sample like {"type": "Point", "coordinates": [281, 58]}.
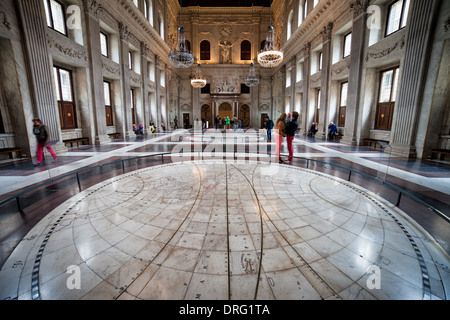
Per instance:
{"type": "Point", "coordinates": [186, 120]}
{"type": "Point", "coordinates": [244, 115]}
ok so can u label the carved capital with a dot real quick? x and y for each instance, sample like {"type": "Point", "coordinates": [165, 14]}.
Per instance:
{"type": "Point", "coordinates": [4, 21]}
{"type": "Point", "coordinates": [145, 49]}
{"type": "Point", "coordinates": [92, 7]}
{"type": "Point", "coordinates": [446, 25]}
{"type": "Point", "coordinates": [327, 32]}
{"type": "Point", "coordinates": [359, 7]}
{"type": "Point", "coordinates": [124, 32]}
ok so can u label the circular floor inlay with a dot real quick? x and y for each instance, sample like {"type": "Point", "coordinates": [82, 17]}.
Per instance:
{"type": "Point", "coordinates": [225, 231]}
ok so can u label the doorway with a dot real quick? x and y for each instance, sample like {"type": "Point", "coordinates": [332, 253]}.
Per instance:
{"type": "Point", "coordinates": [225, 110]}
{"type": "Point", "coordinates": [186, 120]}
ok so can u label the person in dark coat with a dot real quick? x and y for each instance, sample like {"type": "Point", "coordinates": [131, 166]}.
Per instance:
{"type": "Point", "coordinates": [43, 138]}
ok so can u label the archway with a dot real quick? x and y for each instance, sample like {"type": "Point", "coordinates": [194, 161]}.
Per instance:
{"type": "Point", "coordinates": [225, 110]}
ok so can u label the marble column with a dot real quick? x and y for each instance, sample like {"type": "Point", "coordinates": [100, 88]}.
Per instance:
{"type": "Point", "coordinates": [325, 82]}
{"type": "Point", "coordinates": [354, 98]}
{"type": "Point", "coordinates": [307, 115]}
{"type": "Point", "coordinates": [39, 67]}
{"type": "Point", "coordinates": [126, 119]}
{"type": "Point", "coordinates": [158, 119]}
{"type": "Point", "coordinates": [421, 27]}
{"type": "Point", "coordinates": [144, 88]}
{"type": "Point", "coordinates": [293, 82]}
{"type": "Point", "coordinates": [96, 90]}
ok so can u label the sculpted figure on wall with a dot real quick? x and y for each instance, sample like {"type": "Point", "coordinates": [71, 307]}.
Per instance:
{"type": "Point", "coordinates": [225, 51]}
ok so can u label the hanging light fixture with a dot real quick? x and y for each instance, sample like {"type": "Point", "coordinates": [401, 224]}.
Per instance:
{"type": "Point", "coordinates": [252, 80]}
{"type": "Point", "coordinates": [270, 56]}
{"type": "Point", "coordinates": [181, 57]}
{"type": "Point", "coordinates": [198, 81]}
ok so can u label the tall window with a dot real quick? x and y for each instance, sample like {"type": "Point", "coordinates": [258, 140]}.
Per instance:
{"type": "Point", "coordinates": [133, 106]}
{"type": "Point", "coordinates": [343, 104]}
{"type": "Point", "coordinates": [150, 11]}
{"type": "Point", "coordinates": [205, 50]}
{"type": "Point", "coordinates": [397, 17]}
{"type": "Point", "coordinates": [347, 45]}
{"type": "Point", "coordinates": [387, 98]}
{"type": "Point", "coordinates": [108, 104]}
{"type": "Point", "coordinates": [136, 3]}
{"type": "Point", "coordinates": [305, 8]}
{"type": "Point", "coordinates": [246, 50]}
{"type": "Point", "coordinates": [131, 60]}
{"type": "Point", "coordinates": [56, 18]}
{"type": "Point", "coordinates": [317, 111]}
{"type": "Point", "coordinates": [64, 95]}
{"type": "Point", "coordinates": [316, 2]}
{"type": "Point", "coordinates": [320, 60]}
{"type": "Point", "coordinates": [300, 12]}
{"type": "Point", "coordinates": [290, 25]}
{"type": "Point", "coordinates": [104, 44]}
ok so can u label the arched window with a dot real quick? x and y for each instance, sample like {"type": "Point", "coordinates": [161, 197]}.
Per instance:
{"type": "Point", "coordinates": [205, 50]}
{"type": "Point", "coordinates": [300, 12]}
{"type": "Point", "coordinates": [246, 50]}
{"type": "Point", "coordinates": [290, 25]}
{"type": "Point", "coordinates": [305, 8]}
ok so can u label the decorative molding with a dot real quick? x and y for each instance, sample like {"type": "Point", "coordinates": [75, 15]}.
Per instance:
{"type": "Point", "coordinates": [186, 107]}
{"type": "Point", "coordinates": [340, 70]}
{"type": "Point", "coordinates": [107, 66]}
{"type": "Point", "coordinates": [92, 7]}
{"type": "Point", "coordinates": [359, 7]}
{"type": "Point", "coordinates": [145, 49]}
{"type": "Point", "coordinates": [327, 32]}
{"type": "Point", "coordinates": [76, 54]}
{"type": "Point", "coordinates": [4, 20]}
{"type": "Point", "coordinates": [124, 32]}
{"type": "Point", "coordinates": [264, 107]}
{"type": "Point", "coordinates": [378, 55]}
{"type": "Point", "coordinates": [446, 25]}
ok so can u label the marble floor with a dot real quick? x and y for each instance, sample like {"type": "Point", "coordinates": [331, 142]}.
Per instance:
{"type": "Point", "coordinates": [226, 230]}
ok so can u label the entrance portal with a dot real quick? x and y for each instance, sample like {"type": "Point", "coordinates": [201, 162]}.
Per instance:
{"type": "Point", "coordinates": [225, 110]}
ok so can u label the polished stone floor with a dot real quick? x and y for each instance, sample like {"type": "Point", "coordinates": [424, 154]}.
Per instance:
{"type": "Point", "coordinates": [226, 230]}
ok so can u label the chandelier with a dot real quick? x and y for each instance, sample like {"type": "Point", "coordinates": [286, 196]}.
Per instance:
{"type": "Point", "coordinates": [181, 57]}
{"type": "Point", "coordinates": [270, 56]}
{"type": "Point", "coordinates": [252, 80]}
{"type": "Point", "coordinates": [197, 80]}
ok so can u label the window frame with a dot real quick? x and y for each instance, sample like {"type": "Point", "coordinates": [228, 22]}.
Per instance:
{"type": "Point", "coordinates": [343, 108]}
{"type": "Point", "coordinates": [344, 43]}
{"type": "Point", "coordinates": [203, 52]}
{"type": "Point", "coordinates": [131, 60]}
{"type": "Point", "coordinates": [51, 16]}
{"type": "Point", "coordinates": [247, 52]}
{"type": "Point", "coordinates": [389, 12]}
{"type": "Point", "coordinates": [111, 123]}
{"type": "Point", "coordinates": [107, 44]}
{"type": "Point", "coordinates": [391, 103]}
{"type": "Point", "coordinates": [61, 102]}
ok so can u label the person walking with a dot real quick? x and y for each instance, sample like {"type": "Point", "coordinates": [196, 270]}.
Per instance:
{"type": "Point", "coordinates": [175, 123]}
{"type": "Point", "coordinates": [279, 135]}
{"type": "Point", "coordinates": [291, 131]}
{"type": "Point", "coordinates": [269, 128]}
{"type": "Point", "coordinates": [43, 138]}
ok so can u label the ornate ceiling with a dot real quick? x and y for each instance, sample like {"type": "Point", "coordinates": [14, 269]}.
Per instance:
{"type": "Point", "coordinates": [225, 3]}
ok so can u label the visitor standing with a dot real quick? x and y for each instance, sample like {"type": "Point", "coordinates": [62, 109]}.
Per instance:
{"type": "Point", "coordinates": [279, 135]}
{"type": "Point", "coordinates": [291, 131]}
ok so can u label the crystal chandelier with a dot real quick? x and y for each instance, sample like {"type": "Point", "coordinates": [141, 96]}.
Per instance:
{"type": "Point", "coordinates": [198, 81]}
{"type": "Point", "coordinates": [252, 80]}
{"type": "Point", "coordinates": [270, 56]}
{"type": "Point", "coordinates": [181, 57]}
